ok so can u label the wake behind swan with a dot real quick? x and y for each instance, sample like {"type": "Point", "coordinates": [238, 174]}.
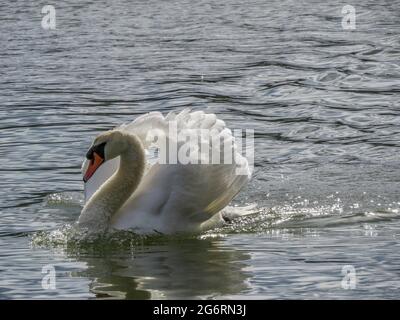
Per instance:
{"type": "Point", "coordinates": [161, 174]}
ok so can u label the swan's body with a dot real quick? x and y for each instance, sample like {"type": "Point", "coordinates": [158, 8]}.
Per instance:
{"type": "Point", "coordinates": [130, 192]}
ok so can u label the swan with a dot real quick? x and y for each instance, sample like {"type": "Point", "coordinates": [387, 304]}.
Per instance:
{"type": "Point", "coordinates": [127, 187]}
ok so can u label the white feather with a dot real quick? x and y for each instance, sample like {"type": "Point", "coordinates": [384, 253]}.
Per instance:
{"type": "Point", "coordinates": [177, 197]}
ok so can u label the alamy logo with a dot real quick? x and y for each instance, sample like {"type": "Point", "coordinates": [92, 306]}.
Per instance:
{"type": "Point", "coordinates": [349, 280]}
{"type": "Point", "coordinates": [49, 20]}
{"type": "Point", "coordinates": [204, 146]}
{"type": "Point", "coordinates": [49, 280]}
{"type": "Point", "coordinates": [349, 17]}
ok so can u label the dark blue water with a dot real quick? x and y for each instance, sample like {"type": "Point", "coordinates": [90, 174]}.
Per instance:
{"type": "Point", "coordinates": [324, 104]}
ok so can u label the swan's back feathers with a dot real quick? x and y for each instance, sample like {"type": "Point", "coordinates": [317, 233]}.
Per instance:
{"type": "Point", "coordinates": [196, 192]}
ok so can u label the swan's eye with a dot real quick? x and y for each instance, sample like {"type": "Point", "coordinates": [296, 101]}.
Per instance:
{"type": "Point", "coordinates": [99, 149]}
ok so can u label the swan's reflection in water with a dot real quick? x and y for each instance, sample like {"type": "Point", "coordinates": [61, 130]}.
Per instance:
{"type": "Point", "coordinates": [182, 270]}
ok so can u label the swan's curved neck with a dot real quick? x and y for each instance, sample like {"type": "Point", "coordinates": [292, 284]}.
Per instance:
{"type": "Point", "coordinates": [110, 197]}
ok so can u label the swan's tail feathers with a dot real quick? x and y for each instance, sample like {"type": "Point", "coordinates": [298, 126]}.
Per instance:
{"type": "Point", "coordinates": [214, 222]}
{"type": "Point", "coordinates": [230, 213]}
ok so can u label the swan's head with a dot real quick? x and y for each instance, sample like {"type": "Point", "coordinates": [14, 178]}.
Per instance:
{"type": "Point", "coordinates": [106, 146]}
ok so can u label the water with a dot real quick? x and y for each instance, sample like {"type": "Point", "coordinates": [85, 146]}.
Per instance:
{"type": "Point", "coordinates": [323, 101]}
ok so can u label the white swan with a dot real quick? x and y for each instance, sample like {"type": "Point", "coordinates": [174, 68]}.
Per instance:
{"type": "Point", "coordinates": [125, 189]}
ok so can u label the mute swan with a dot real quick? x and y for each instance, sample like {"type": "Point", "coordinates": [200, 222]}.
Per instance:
{"type": "Point", "coordinates": [126, 188]}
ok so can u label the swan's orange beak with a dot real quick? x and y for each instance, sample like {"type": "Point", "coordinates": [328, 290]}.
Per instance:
{"type": "Point", "coordinates": [95, 163]}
